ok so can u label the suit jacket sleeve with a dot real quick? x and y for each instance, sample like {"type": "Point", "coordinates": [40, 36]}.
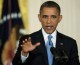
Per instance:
{"type": "Point", "coordinates": [74, 59]}
{"type": "Point", "coordinates": [17, 58]}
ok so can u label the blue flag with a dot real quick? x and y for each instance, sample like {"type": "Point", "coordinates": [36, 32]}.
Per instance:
{"type": "Point", "coordinates": [11, 17]}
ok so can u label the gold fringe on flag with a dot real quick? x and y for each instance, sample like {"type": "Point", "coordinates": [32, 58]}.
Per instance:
{"type": "Point", "coordinates": [9, 47]}
{"type": "Point", "coordinates": [23, 4]}
{"type": "Point", "coordinates": [1, 5]}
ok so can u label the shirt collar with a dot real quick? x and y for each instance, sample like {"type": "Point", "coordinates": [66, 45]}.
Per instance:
{"type": "Point", "coordinates": [45, 35]}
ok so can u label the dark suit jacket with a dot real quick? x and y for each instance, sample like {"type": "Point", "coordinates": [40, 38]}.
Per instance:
{"type": "Point", "coordinates": [39, 55]}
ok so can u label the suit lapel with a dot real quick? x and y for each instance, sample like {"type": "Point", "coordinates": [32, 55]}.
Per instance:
{"type": "Point", "coordinates": [59, 40]}
{"type": "Point", "coordinates": [43, 48]}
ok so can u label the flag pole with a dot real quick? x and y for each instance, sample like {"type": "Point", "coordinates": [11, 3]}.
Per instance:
{"type": "Point", "coordinates": [9, 11]}
{"type": "Point", "coordinates": [11, 50]}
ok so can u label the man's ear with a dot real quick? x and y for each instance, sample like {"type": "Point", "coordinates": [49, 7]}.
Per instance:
{"type": "Point", "coordinates": [39, 17]}
{"type": "Point", "coordinates": [60, 18]}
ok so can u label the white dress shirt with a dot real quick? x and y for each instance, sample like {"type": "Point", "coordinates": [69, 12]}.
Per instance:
{"type": "Point", "coordinates": [45, 35]}
{"type": "Point", "coordinates": [53, 39]}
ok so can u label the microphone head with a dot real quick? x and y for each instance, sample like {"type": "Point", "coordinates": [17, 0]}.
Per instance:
{"type": "Point", "coordinates": [55, 54]}
{"type": "Point", "coordinates": [59, 57]}
{"type": "Point", "coordinates": [52, 50]}
{"type": "Point", "coordinates": [63, 52]}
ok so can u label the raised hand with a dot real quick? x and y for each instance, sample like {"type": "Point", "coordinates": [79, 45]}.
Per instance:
{"type": "Point", "coordinates": [27, 46]}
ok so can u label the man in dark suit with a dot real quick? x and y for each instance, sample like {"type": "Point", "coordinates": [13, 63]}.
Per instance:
{"type": "Point", "coordinates": [33, 48]}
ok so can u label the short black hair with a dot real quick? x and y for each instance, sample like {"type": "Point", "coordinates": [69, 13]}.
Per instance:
{"type": "Point", "coordinates": [50, 4]}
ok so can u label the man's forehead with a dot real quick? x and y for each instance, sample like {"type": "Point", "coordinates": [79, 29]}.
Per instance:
{"type": "Point", "coordinates": [49, 10]}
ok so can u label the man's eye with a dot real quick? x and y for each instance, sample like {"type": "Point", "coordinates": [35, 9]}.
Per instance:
{"type": "Point", "coordinates": [54, 16]}
{"type": "Point", "coordinates": [45, 16]}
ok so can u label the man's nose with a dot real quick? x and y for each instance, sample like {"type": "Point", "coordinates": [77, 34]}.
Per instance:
{"type": "Point", "coordinates": [49, 20]}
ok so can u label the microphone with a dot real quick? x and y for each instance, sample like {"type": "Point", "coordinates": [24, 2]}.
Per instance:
{"type": "Point", "coordinates": [53, 51]}
{"type": "Point", "coordinates": [60, 55]}
{"type": "Point", "coordinates": [64, 55]}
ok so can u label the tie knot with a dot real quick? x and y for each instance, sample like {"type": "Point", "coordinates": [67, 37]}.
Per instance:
{"type": "Point", "coordinates": [49, 37]}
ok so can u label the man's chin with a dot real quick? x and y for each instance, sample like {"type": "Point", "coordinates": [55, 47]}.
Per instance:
{"type": "Point", "coordinates": [49, 31]}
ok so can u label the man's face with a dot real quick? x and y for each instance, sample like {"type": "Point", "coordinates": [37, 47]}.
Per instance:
{"type": "Point", "coordinates": [49, 19]}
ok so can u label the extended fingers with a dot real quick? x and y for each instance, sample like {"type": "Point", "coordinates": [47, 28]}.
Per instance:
{"type": "Point", "coordinates": [29, 39]}
{"type": "Point", "coordinates": [37, 44]}
{"type": "Point", "coordinates": [26, 41]}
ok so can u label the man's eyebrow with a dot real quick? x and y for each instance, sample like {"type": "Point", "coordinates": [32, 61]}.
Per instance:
{"type": "Point", "coordinates": [50, 15]}
{"type": "Point", "coordinates": [45, 15]}
{"type": "Point", "coordinates": [54, 16]}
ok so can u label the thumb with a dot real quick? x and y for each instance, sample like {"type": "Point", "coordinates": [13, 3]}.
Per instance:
{"type": "Point", "coordinates": [37, 44]}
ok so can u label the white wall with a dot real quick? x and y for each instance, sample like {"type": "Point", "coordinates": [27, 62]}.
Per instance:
{"type": "Point", "coordinates": [70, 23]}
{"type": "Point", "coordinates": [33, 15]}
